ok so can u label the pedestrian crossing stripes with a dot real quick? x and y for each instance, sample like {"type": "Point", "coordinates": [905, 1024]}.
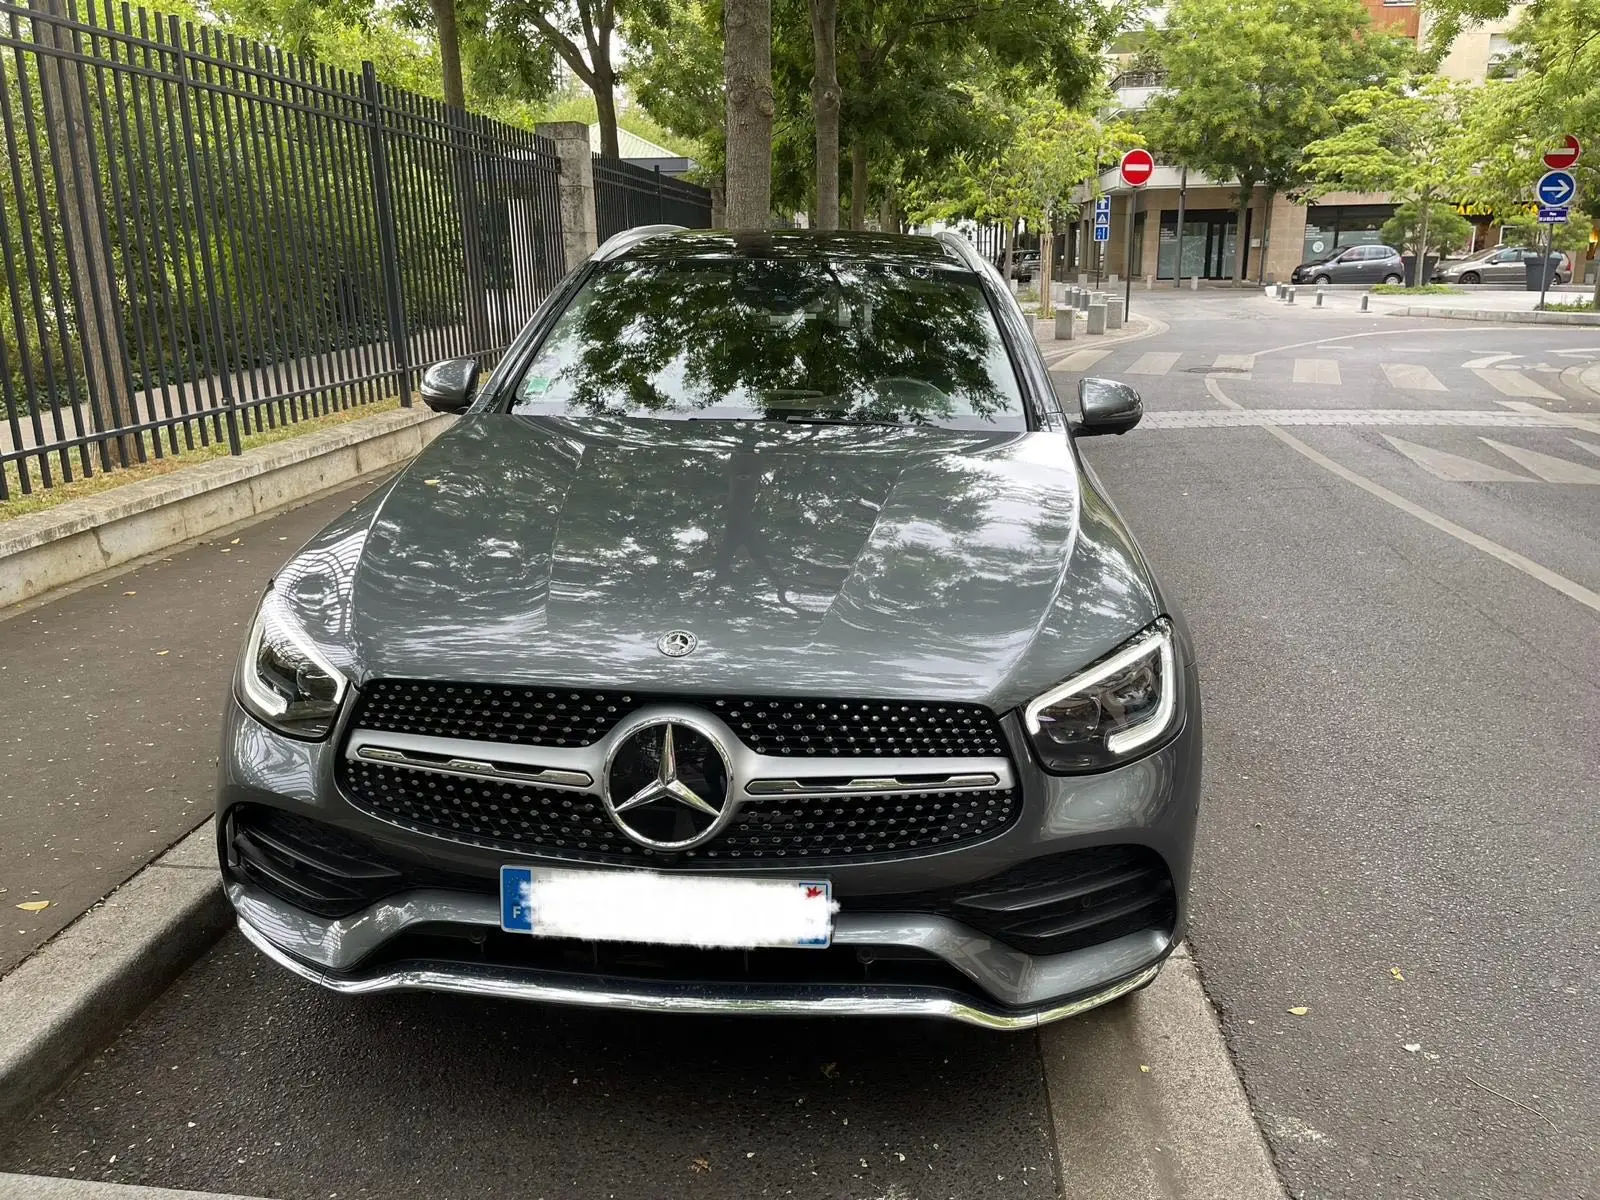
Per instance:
{"type": "Point", "coordinates": [1411, 377]}
{"type": "Point", "coordinates": [1513, 383]}
{"type": "Point", "coordinates": [1079, 360]}
{"type": "Point", "coordinates": [1234, 363]}
{"type": "Point", "coordinates": [1317, 370]}
{"type": "Point", "coordinates": [1154, 363]}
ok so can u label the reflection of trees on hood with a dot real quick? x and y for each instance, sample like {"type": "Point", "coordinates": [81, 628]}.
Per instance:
{"type": "Point", "coordinates": [777, 336]}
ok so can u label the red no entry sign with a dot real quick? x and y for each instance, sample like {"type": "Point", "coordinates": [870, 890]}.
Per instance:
{"type": "Point", "coordinates": [1137, 167]}
{"type": "Point", "coordinates": [1564, 156]}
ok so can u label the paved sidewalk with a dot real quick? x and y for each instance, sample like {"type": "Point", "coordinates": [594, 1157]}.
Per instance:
{"type": "Point", "coordinates": [110, 699]}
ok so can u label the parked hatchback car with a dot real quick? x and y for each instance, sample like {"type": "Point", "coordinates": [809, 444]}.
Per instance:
{"type": "Point", "coordinates": [755, 642]}
{"type": "Point", "coordinates": [1353, 264]}
{"type": "Point", "coordinates": [1500, 264]}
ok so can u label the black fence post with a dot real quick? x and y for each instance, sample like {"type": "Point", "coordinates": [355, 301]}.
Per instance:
{"type": "Point", "coordinates": [213, 285]}
{"type": "Point", "coordinates": [388, 249]}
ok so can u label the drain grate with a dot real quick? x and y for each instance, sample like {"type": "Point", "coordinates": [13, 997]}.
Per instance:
{"type": "Point", "coordinates": [1217, 370]}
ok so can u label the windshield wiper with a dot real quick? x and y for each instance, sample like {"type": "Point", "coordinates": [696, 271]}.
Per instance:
{"type": "Point", "coordinates": [838, 421]}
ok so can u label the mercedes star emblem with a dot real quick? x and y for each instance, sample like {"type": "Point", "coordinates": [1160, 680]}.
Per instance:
{"type": "Point", "coordinates": [676, 643]}
{"type": "Point", "coordinates": [666, 783]}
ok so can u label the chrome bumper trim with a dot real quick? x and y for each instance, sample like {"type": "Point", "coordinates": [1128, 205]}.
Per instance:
{"type": "Point", "coordinates": [800, 1001]}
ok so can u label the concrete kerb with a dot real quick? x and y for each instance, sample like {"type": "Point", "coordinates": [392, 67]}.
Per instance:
{"type": "Point", "coordinates": [67, 1000]}
{"type": "Point", "coordinates": [61, 545]}
{"type": "Point", "coordinates": [1501, 316]}
{"type": "Point", "coordinates": [1133, 328]}
{"type": "Point", "coordinates": [1145, 1102]}
{"type": "Point", "coordinates": [42, 1187]}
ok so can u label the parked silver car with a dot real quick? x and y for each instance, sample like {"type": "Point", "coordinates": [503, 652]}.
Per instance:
{"type": "Point", "coordinates": [756, 642]}
{"type": "Point", "coordinates": [1499, 264]}
{"type": "Point", "coordinates": [1353, 264]}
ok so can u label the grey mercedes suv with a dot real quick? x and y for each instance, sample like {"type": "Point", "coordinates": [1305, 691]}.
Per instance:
{"type": "Point", "coordinates": [755, 641]}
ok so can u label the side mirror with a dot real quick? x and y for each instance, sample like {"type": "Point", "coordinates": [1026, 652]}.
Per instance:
{"type": "Point", "coordinates": [1107, 406]}
{"type": "Point", "coordinates": [449, 386]}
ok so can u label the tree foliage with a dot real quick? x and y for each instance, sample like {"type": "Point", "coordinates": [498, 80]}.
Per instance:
{"type": "Point", "coordinates": [1248, 86]}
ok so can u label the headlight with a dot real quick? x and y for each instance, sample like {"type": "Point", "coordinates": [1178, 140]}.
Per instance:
{"type": "Point", "coordinates": [284, 680]}
{"type": "Point", "coordinates": [1110, 711]}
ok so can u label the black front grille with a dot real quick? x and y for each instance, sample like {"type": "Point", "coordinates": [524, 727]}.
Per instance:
{"type": "Point", "coordinates": [1056, 904]}
{"type": "Point", "coordinates": [565, 824]}
{"type": "Point", "coordinates": [538, 716]}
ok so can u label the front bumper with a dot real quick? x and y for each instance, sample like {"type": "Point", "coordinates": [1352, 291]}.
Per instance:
{"type": "Point", "coordinates": [441, 931]}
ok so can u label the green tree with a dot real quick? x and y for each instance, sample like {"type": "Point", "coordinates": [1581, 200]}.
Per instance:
{"type": "Point", "coordinates": [1402, 139]}
{"type": "Point", "coordinates": [1250, 85]}
{"type": "Point", "coordinates": [1447, 231]}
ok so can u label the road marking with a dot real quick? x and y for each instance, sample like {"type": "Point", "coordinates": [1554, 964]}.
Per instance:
{"type": "Point", "coordinates": [1412, 377]}
{"type": "Point", "coordinates": [1488, 360]}
{"type": "Point", "coordinates": [1582, 352]}
{"type": "Point", "coordinates": [1452, 467]}
{"type": "Point", "coordinates": [1477, 541]}
{"type": "Point", "coordinates": [1234, 362]}
{"type": "Point", "coordinates": [1589, 446]}
{"type": "Point", "coordinates": [1215, 389]}
{"type": "Point", "coordinates": [1079, 360]}
{"type": "Point", "coordinates": [1317, 370]}
{"type": "Point", "coordinates": [1546, 466]}
{"type": "Point", "coordinates": [1156, 362]}
{"type": "Point", "coordinates": [1574, 420]}
{"type": "Point", "coordinates": [1512, 383]}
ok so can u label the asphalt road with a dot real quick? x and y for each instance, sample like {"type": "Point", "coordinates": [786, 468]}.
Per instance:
{"type": "Point", "coordinates": [1398, 837]}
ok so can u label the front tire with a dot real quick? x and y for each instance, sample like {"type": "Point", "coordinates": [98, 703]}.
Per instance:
{"type": "Point", "coordinates": [1472, 277]}
{"type": "Point", "coordinates": [1393, 279]}
{"type": "Point", "coordinates": [1323, 279]}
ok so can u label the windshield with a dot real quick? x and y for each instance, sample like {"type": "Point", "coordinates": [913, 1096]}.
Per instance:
{"type": "Point", "coordinates": [784, 339]}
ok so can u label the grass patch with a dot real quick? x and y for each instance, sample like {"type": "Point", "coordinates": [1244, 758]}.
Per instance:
{"type": "Point", "coordinates": [1425, 289]}
{"type": "Point", "coordinates": [44, 498]}
{"type": "Point", "coordinates": [1568, 306]}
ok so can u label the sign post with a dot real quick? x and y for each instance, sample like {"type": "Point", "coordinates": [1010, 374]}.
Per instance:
{"type": "Point", "coordinates": [1137, 167]}
{"type": "Point", "coordinates": [1102, 232]}
{"type": "Point", "coordinates": [1555, 191]}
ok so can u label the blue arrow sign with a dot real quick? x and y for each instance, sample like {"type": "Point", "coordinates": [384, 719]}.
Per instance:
{"type": "Point", "coordinates": [1102, 204]}
{"type": "Point", "coordinates": [1102, 233]}
{"type": "Point", "coordinates": [1553, 216]}
{"type": "Point", "coordinates": [1555, 188]}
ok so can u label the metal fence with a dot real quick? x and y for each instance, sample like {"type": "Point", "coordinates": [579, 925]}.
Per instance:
{"type": "Point", "coordinates": [626, 196]}
{"type": "Point", "coordinates": [204, 238]}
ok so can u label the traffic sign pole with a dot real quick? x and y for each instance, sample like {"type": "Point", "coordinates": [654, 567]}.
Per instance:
{"type": "Point", "coordinates": [1544, 278]}
{"type": "Point", "coordinates": [1127, 255]}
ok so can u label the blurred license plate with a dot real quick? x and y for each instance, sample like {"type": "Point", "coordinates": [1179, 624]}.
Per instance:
{"type": "Point", "coordinates": [708, 911]}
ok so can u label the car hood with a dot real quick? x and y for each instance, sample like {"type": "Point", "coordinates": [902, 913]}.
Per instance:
{"type": "Point", "coordinates": [844, 560]}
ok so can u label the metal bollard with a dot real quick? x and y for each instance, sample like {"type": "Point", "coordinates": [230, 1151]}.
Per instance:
{"type": "Point", "coordinates": [1083, 299]}
{"type": "Point", "coordinates": [1066, 324]}
{"type": "Point", "coordinates": [1364, 299]}
{"type": "Point", "coordinates": [1319, 297]}
{"type": "Point", "coordinates": [1194, 283]}
{"type": "Point", "coordinates": [1149, 283]}
{"type": "Point", "coordinates": [1114, 312]}
{"type": "Point", "coordinates": [1289, 296]}
{"type": "Point", "coordinates": [1097, 317]}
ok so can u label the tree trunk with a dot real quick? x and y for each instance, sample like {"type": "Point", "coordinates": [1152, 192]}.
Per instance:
{"type": "Point", "coordinates": [1047, 249]}
{"type": "Point", "coordinates": [1417, 279]}
{"type": "Point", "coordinates": [888, 215]}
{"type": "Point", "coordinates": [747, 71]}
{"type": "Point", "coordinates": [81, 210]}
{"type": "Point", "coordinates": [1266, 238]}
{"type": "Point", "coordinates": [444, 21]}
{"type": "Point", "coordinates": [825, 109]}
{"type": "Point", "coordinates": [605, 105]}
{"type": "Point", "coordinates": [1241, 244]}
{"type": "Point", "coordinates": [1008, 234]}
{"type": "Point", "coordinates": [858, 183]}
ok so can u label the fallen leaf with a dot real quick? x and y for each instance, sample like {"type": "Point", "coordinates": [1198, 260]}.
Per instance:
{"type": "Point", "coordinates": [830, 1070]}
{"type": "Point", "coordinates": [1300, 1010]}
{"type": "Point", "coordinates": [1395, 971]}
{"type": "Point", "coordinates": [130, 593]}
{"type": "Point", "coordinates": [1413, 1047]}
{"type": "Point", "coordinates": [226, 550]}
{"type": "Point", "coordinates": [1144, 1069]}
{"type": "Point", "coordinates": [34, 905]}
{"type": "Point", "coordinates": [435, 483]}
{"type": "Point", "coordinates": [159, 653]}
{"type": "Point", "coordinates": [700, 1165]}
{"type": "Point", "coordinates": [235, 541]}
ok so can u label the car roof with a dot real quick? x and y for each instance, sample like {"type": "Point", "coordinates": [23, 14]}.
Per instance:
{"type": "Point", "coordinates": [900, 249]}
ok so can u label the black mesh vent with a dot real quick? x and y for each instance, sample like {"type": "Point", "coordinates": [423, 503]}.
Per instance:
{"type": "Point", "coordinates": [566, 824]}
{"type": "Point", "coordinates": [1056, 904]}
{"type": "Point", "coordinates": [536, 716]}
